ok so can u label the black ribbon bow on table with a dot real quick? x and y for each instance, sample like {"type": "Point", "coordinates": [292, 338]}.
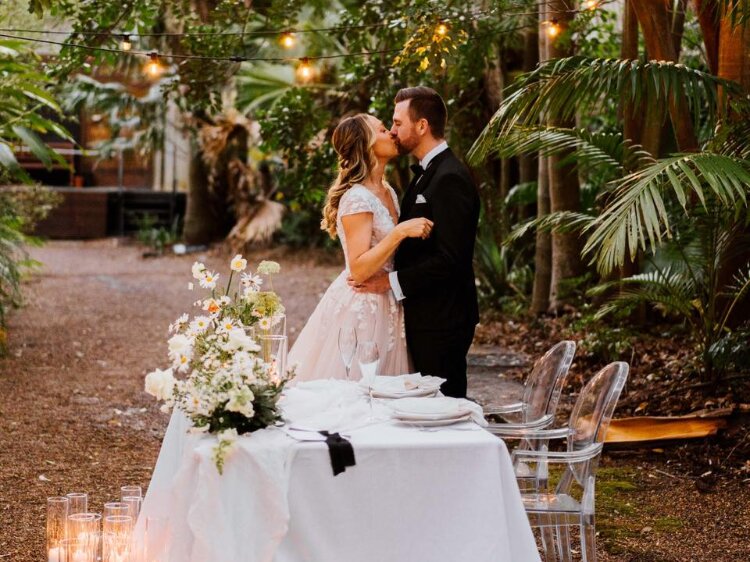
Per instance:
{"type": "Point", "coordinates": [340, 451]}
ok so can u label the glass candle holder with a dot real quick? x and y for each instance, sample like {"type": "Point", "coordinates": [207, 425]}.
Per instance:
{"type": "Point", "coordinates": [81, 550]}
{"type": "Point", "coordinates": [116, 508]}
{"type": "Point", "coordinates": [273, 351]}
{"type": "Point", "coordinates": [120, 525]}
{"type": "Point", "coordinates": [134, 506]}
{"type": "Point", "coordinates": [130, 492]}
{"type": "Point", "coordinates": [116, 548]}
{"type": "Point", "coordinates": [57, 521]}
{"type": "Point", "coordinates": [79, 502]}
{"type": "Point", "coordinates": [81, 526]}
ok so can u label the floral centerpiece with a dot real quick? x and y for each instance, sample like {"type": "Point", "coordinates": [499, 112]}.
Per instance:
{"type": "Point", "coordinates": [231, 385]}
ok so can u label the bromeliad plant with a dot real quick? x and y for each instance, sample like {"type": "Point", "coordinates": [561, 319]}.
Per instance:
{"type": "Point", "coordinates": [229, 388]}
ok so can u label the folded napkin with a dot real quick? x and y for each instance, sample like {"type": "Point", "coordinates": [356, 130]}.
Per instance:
{"type": "Point", "coordinates": [439, 406]}
{"type": "Point", "coordinates": [402, 383]}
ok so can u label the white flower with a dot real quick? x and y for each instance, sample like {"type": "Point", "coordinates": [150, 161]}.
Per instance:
{"type": "Point", "coordinates": [197, 430]}
{"type": "Point", "coordinates": [237, 339]}
{"type": "Point", "coordinates": [198, 269]}
{"type": "Point", "coordinates": [178, 324]}
{"type": "Point", "coordinates": [241, 401]}
{"type": "Point", "coordinates": [200, 324]}
{"type": "Point", "coordinates": [251, 283]}
{"type": "Point", "coordinates": [238, 263]}
{"type": "Point", "coordinates": [267, 267]}
{"type": "Point", "coordinates": [190, 286]}
{"type": "Point", "coordinates": [265, 323]}
{"type": "Point", "coordinates": [228, 435]}
{"type": "Point", "coordinates": [179, 344]}
{"type": "Point", "coordinates": [227, 325]}
{"type": "Point", "coordinates": [209, 279]}
{"type": "Point", "coordinates": [159, 384]}
{"type": "Point", "coordinates": [182, 362]}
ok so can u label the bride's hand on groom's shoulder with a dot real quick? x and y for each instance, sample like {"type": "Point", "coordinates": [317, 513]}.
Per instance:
{"type": "Point", "coordinates": [378, 283]}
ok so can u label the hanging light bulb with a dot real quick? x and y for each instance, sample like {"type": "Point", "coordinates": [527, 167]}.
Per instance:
{"type": "Point", "coordinates": [591, 4]}
{"type": "Point", "coordinates": [154, 68]}
{"type": "Point", "coordinates": [441, 29]}
{"type": "Point", "coordinates": [305, 71]}
{"type": "Point", "coordinates": [287, 40]}
{"type": "Point", "coordinates": [553, 28]}
{"type": "Point", "coordinates": [126, 44]}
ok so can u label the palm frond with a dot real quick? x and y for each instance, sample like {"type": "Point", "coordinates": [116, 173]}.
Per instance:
{"type": "Point", "coordinates": [637, 217]}
{"type": "Point", "coordinates": [563, 87]}
{"type": "Point", "coordinates": [670, 291]}
{"type": "Point", "coordinates": [259, 86]}
{"type": "Point", "coordinates": [561, 222]}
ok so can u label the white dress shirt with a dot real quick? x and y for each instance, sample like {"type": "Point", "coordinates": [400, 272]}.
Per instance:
{"type": "Point", "coordinates": [424, 162]}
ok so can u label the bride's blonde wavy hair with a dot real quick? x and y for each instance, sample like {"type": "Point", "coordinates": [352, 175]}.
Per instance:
{"type": "Point", "coordinates": [353, 140]}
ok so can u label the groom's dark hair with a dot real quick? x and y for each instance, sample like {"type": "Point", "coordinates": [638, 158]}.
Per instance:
{"type": "Point", "coordinates": [425, 103]}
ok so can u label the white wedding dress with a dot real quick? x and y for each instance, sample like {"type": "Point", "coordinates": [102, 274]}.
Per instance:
{"type": "Point", "coordinates": [377, 317]}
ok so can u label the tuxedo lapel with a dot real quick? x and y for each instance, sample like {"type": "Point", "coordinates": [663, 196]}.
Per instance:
{"type": "Point", "coordinates": [419, 184]}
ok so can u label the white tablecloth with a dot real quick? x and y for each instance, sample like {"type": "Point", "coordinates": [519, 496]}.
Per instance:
{"type": "Point", "coordinates": [413, 496]}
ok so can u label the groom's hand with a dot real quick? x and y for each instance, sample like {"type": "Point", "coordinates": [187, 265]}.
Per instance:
{"type": "Point", "coordinates": [378, 283]}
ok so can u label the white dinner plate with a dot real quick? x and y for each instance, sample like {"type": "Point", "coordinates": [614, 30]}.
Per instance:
{"type": "Point", "coordinates": [433, 423]}
{"type": "Point", "coordinates": [443, 406]}
{"type": "Point", "coordinates": [413, 393]}
{"type": "Point", "coordinates": [430, 417]}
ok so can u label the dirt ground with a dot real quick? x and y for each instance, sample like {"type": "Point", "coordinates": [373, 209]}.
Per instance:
{"type": "Point", "coordinates": [74, 417]}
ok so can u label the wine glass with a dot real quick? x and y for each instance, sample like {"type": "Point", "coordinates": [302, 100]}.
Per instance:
{"type": "Point", "coordinates": [347, 346]}
{"type": "Point", "coordinates": [368, 357]}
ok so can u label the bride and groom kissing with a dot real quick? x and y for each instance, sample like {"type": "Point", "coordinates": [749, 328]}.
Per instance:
{"type": "Point", "coordinates": [408, 284]}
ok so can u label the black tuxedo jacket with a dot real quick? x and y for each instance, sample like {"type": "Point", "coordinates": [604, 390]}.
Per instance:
{"type": "Point", "coordinates": [437, 275]}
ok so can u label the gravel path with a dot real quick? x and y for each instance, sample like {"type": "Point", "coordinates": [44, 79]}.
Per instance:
{"type": "Point", "coordinates": [74, 417]}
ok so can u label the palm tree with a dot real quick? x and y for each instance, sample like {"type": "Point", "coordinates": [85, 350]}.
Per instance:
{"type": "Point", "coordinates": [640, 199]}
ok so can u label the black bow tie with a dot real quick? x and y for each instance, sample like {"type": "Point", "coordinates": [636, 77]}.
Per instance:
{"type": "Point", "coordinates": [417, 169]}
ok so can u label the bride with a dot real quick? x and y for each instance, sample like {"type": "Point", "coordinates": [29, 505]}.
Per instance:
{"type": "Point", "coordinates": [362, 211]}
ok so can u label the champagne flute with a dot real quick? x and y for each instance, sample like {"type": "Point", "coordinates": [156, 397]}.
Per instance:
{"type": "Point", "coordinates": [347, 346]}
{"type": "Point", "coordinates": [368, 357]}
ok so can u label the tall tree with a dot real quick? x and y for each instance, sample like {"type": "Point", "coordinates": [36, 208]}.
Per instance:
{"type": "Point", "coordinates": [543, 248]}
{"type": "Point", "coordinates": [564, 187]}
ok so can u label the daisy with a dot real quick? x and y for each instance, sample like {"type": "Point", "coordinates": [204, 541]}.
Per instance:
{"type": "Point", "coordinates": [198, 269]}
{"type": "Point", "coordinates": [209, 279]}
{"type": "Point", "coordinates": [238, 263]}
{"type": "Point", "coordinates": [251, 282]}
{"type": "Point", "coordinates": [265, 323]}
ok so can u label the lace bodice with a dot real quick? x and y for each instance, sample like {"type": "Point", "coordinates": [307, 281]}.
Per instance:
{"type": "Point", "coordinates": [359, 199]}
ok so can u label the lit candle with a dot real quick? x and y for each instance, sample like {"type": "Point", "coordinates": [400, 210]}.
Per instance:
{"type": "Point", "coordinates": [55, 554]}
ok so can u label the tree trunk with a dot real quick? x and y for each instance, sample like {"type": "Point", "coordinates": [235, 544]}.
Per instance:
{"type": "Point", "coordinates": [632, 116]}
{"type": "Point", "coordinates": [709, 22]}
{"type": "Point", "coordinates": [564, 188]}
{"type": "Point", "coordinates": [656, 24]}
{"type": "Point", "coordinates": [734, 64]}
{"type": "Point", "coordinates": [201, 224]}
{"type": "Point", "coordinates": [543, 247]}
{"type": "Point", "coordinates": [528, 166]}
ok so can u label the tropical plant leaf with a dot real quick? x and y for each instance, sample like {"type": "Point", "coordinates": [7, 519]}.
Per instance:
{"type": "Point", "coordinates": [561, 221]}
{"type": "Point", "coordinates": [561, 88]}
{"type": "Point", "coordinates": [637, 216]}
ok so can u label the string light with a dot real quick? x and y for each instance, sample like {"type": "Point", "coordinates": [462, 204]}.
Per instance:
{"type": "Point", "coordinates": [126, 45]}
{"type": "Point", "coordinates": [287, 40]}
{"type": "Point", "coordinates": [154, 68]}
{"type": "Point", "coordinates": [441, 29]}
{"type": "Point", "coordinates": [591, 4]}
{"type": "Point", "coordinates": [305, 71]}
{"type": "Point", "coordinates": [553, 29]}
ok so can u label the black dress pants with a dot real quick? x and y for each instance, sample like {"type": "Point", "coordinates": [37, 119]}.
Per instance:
{"type": "Point", "coordinates": [442, 354]}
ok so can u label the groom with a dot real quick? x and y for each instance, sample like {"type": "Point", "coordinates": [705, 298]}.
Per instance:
{"type": "Point", "coordinates": [434, 278]}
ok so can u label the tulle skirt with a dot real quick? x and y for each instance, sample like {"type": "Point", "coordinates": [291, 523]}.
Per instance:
{"type": "Point", "coordinates": [376, 317]}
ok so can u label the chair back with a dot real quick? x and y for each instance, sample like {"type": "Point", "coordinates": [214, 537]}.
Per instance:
{"type": "Point", "coordinates": [545, 383]}
{"type": "Point", "coordinates": [594, 409]}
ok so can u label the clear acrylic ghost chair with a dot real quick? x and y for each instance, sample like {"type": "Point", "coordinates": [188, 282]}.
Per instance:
{"type": "Point", "coordinates": [555, 511]}
{"type": "Point", "coordinates": [537, 408]}
{"type": "Point", "coordinates": [542, 389]}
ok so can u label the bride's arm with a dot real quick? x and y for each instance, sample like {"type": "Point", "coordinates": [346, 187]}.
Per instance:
{"type": "Point", "coordinates": [364, 261]}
